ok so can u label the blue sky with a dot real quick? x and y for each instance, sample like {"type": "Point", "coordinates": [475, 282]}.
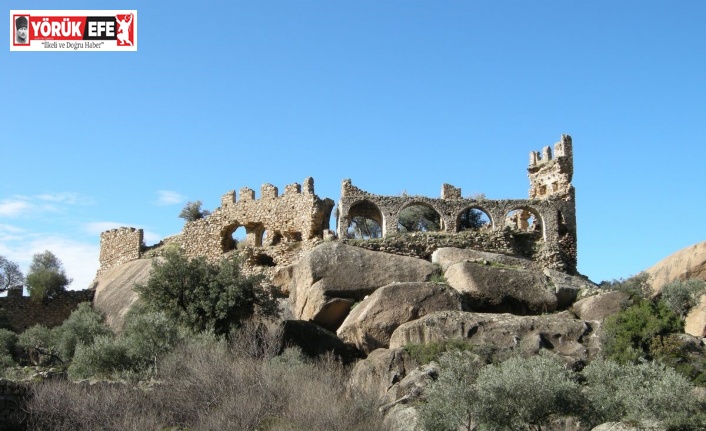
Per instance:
{"type": "Point", "coordinates": [396, 95]}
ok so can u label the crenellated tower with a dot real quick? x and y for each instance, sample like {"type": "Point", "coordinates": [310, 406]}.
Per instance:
{"type": "Point", "coordinates": [550, 176]}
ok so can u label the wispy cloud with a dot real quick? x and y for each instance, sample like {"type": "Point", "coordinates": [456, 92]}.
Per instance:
{"type": "Point", "coordinates": [20, 205]}
{"type": "Point", "coordinates": [14, 207]}
{"type": "Point", "coordinates": [68, 198]}
{"type": "Point", "coordinates": [169, 197]}
{"type": "Point", "coordinates": [80, 259]}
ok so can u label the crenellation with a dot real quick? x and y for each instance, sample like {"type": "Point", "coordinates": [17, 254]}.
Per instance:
{"type": "Point", "coordinates": [228, 198]}
{"type": "Point", "coordinates": [247, 194]}
{"type": "Point", "coordinates": [309, 186]}
{"type": "Point", "coordinates": [268, 191]}
{"type": "Point", "coordinates": [279, 228]}
{"type": "Point", "coordinates": [292, 189]}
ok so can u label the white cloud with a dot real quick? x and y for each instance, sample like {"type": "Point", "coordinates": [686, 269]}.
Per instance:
{"type": "Point", "coordinates": [169, 197]}
{"type": "Point", "coordinates": [14, 208]}
{"type": "Point", "coordinates": [69, 198]}
{"type": "Point", "coordinates": [80, 259]}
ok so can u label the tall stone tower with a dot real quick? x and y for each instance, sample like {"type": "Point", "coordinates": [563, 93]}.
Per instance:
{"type": "Point", "coordinates": [551, 176]}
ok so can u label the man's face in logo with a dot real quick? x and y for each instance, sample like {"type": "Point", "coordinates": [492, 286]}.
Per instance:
{"type": "Point", "coordinates": [22, 33]}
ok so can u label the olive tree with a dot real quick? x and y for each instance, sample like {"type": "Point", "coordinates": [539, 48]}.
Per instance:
{"type": "Point", "coordinates": [192, 211]}
{"type": "Point", "coordinates": [46, 276]}
{"type": "Point", "coordinates": [205, 296]}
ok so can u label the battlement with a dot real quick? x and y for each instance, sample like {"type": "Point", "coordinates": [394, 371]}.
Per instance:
{"type": "Point", "coordinates": [296, 215]}
{"type": "Point", "coordinates": [551, 176]}
{"type": "Point", "coordinates": [268, 191]}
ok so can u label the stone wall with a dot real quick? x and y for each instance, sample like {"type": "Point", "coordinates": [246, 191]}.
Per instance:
{"type": "Point", "coordinates": [550, 211]}
{"type": "Point", "coordinates": [279, 229]}
{"type": "Point", "coordinates": [21, 312]}
{"type": "Point", "coordinates": [119, 246]}
{"type": "Point", "coordinates": [297, 215]}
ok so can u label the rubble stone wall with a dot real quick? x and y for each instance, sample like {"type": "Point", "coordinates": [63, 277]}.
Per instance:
{"type": "Point", "coordinates": [297, 215]}
{"type": "Point", "coordinates": [21, 312]}
{"type": "Point", "coordinates": [119, 246]}
{"type": "Point", "coordinates": [280, 228]}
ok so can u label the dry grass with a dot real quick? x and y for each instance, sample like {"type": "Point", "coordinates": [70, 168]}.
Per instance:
{"type": "Point", "coordinates": [208, 385]}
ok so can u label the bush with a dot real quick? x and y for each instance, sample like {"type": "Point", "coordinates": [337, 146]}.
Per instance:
{"type": "Point", "coordinates": [148, 335]}
{"type": "Point", "coordinates": [8, 341]}
{"type": "Point", "coordinates": [627, 335]}
{"type": "Point", "coordinates": [647, 391]}
{"type": "Point", "coordinates": [519, 393]}
{"type": "Point", "coordinates": [207, 384]}
{"type": "Point", "coordinates": [637, 287]}
{"type": "Point", "coordinates": [425, 353]}
{"type": "Point", "coordinates": [450, 398]}
{"type": "Point", "coordinates": [39, 345]}
{"type": "Point", "coordinates": [106, 357]}
{"type": "Point", "coordinates": [204, 296]}
{"type": "Point", "coordinates": [82, 327]}
{"type": "Point", "coordinates": [681, 296]}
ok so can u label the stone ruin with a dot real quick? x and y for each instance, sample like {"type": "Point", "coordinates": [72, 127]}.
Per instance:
{"type": "Point", "coordinates": [280, 228]}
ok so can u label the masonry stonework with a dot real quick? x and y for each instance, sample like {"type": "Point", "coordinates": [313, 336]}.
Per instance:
{"type": "Point", "coordinates": [280, 228]}
{"type": "Point", "coordinates": [119, 246]}
{"type": "Point", "coordinates": [21, 312]}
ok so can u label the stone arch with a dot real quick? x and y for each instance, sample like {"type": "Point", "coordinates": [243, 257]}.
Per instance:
{"type": "Point", "coordinates": [483, 221]}
{"type": "Point", "coordinates": [368, 210]}
{"type": "Point", "coordinates": [423, 222]}
{"type": "Point", "coordinates": [228, 242]}
{"type": "Point", "coordinates": [525, 219]}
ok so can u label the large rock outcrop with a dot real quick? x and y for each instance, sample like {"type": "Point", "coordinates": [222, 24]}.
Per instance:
{"type": "Point", "coordinates": [602, 305]}
{"type": "Point", "coordinates": [497, 283]}
{"type": "Point", "coordinates": [447, 256]}
{"type": "Point", "coordinates": [371, 323]}
{"type": "Point", "coordinates": [571, 339]}
{"type": "Point", "coordinates": [328, 280]}
{"type": "Point", "coordinates": [686, 263]}
{"type": "Point", "coordinates": [114, 290]}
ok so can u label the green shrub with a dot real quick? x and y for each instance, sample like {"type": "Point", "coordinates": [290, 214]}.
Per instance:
{"type": "Point", "coordinates": [106, 357]}
{"type": "Point", "coordinates": [8, 341]}
{"type": "Point", "coordinates": [82, 327]}
{"type": "Point", "coordinates": [204, 296]}
{"type": "Point", "coordinates": [628, 334]}
{"type": "Point", "coordinates": [450, 398]}
{"type": "Point", "coordinates": [520, 393]}
{"type": "Point", "coordinates": [637, 287]}
{"type": "Point", "coordinates": [425, 353]}
{"type": "Point", "coordinates": [148, 335]}
{"type": "Point", "coordinates": [683, 295]}
{"type": "Point", "coordinates": [646, 391]}
{"type": "Point", "coordinates": [39, 345]}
